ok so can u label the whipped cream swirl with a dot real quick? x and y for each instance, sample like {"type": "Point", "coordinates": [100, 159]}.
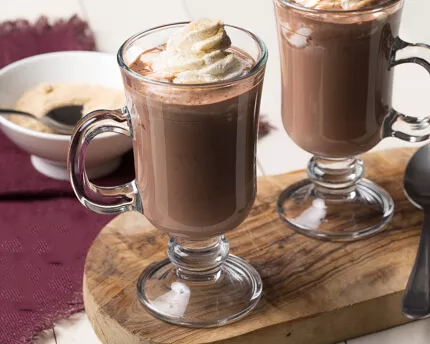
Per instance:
{"type": "Point", "coordinates": [196, 53]}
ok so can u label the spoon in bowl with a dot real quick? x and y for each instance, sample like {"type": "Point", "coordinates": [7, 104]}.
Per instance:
{"type": "Point", "coordinates": [61, 120]}
{"type": "Point", "coordinates": [416, 299]}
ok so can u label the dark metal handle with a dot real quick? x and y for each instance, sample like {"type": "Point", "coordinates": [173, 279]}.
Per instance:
{"type": "Point", "coordinates": [16, 112]}
{"type": "Point", "coordinates": [58, 127]}
{"type": "Point", "coordinates": [416, 300]}
{"type": "Point", "coordinates": [415, 129]}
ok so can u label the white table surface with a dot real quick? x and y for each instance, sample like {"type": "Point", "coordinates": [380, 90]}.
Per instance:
{"type": "Point", "coordinates": [113, 21]}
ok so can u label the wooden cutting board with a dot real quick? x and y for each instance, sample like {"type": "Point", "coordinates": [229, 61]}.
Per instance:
{"type": "Point", "coordinates": [314, 292]}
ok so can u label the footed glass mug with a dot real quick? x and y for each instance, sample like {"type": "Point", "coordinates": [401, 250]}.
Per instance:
{"type": "Point", "coordinates": [337, 78]}
{"type": "Point", "coordinates": [194, 151]}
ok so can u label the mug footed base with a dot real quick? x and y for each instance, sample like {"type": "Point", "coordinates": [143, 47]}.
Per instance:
{"type": "Point", "coordinates": [233, 292]}
{"type": "Point", "coordinates": [362, 212]}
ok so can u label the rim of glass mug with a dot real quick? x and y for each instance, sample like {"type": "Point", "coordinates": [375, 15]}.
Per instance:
{"type": "Point", "coordinates": [371, 9]}
{"type": "Point", "coordinates": [261, 63]}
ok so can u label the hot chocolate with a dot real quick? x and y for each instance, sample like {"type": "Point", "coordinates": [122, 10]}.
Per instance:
{"type": "Point", "coordinates": [192, 110]}
{"type": "Point", "coordinates": [337, 80]}
{"type": "Point", "coordinates": [196, 162]}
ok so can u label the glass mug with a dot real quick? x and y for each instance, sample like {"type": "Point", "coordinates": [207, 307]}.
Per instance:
{"type": "Point", "coordinates": [194, 152]}
{"type": "Point", "coordinates": [337, 79]}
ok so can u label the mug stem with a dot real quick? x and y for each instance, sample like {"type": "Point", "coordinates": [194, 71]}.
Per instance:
{"type": "Point", "coordinates": [198, 260]}
{"type": "Point", "coordinates": [335, 178]}
{"type": "Point", "coordinates": [335, 174]}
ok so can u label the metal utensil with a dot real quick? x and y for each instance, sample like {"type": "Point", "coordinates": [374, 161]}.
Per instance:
{"type": "Point", "coordinates": [61, 120]}
{"type": "Point", "coordinates": [416, 299]}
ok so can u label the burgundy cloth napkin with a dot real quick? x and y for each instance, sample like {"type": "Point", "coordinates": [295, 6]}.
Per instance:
{"type": "Point", "coordinates": [45, 234]}
{"type": "Point", "coordinates": [19, 38]}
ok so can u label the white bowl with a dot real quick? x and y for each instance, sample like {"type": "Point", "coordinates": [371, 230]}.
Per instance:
{"type": "Point", "coordinates": [49, 151]}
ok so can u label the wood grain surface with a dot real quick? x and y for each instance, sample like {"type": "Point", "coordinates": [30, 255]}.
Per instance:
{"type": "Point", "coordinates": [314, 291]}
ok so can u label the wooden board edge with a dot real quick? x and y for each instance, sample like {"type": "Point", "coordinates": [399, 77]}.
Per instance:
{"type": "Point", "coordinates": [331, 327]}
{"type": "Point", "coordinates": [325, 328]}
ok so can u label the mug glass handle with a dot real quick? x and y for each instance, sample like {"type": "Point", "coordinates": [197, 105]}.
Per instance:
{"type": "Point", "coordinates": [412, 125]}
{"type": "Point", "coordinates": [102, 200]}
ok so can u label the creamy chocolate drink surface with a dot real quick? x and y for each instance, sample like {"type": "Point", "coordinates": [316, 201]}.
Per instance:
{"type": "Point", "coordinates": [336, 76]}
{"type": "Point", "coordinates": [347, 5]}
{"type": "Point", "coordinates": [195, 145]}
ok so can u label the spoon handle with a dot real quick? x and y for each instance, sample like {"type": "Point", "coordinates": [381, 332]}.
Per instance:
{"type": "Point", "coordinates": [416, 299]}
{"type": "Point", "coordinates": [14, 112]}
